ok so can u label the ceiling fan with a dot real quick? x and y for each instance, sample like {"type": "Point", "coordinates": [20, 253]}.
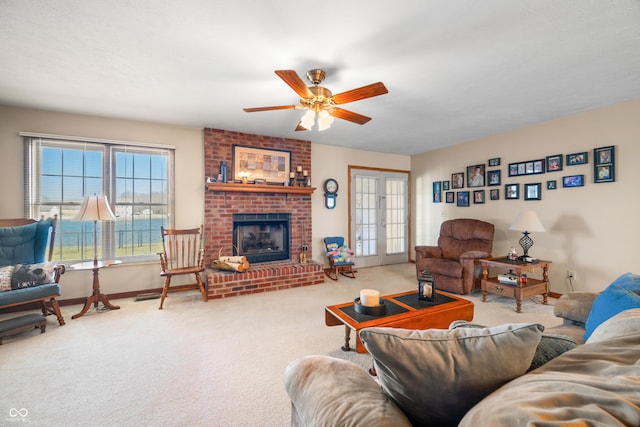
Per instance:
{"type": "Point", "coordinates": [320, 102]}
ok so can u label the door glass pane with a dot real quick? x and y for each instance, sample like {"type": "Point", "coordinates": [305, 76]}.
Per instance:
{"type": "Point", "coordinates": [395, 213]}
{"type": "Point", "coordinates": [365, 214]}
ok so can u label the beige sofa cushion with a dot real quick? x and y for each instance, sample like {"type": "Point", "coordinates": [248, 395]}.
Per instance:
{"type": "Point", "coordinates": [326, 391]}
{"type": "Point", "coordinates": [435, 375]}
{"type": "Point", "coordinates": [595, 384]}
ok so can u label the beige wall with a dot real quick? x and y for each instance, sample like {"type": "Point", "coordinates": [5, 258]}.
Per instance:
{"type": "Point", "coordinates": [334, 162]}
{"type": "Point", "coordinates": [593, 230]}
{"type": "Point", "coordinates": [189, 180]}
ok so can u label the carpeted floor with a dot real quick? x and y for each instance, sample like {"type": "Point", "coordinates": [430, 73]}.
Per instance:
{"type": "Point", "coordinates": [217, 364]}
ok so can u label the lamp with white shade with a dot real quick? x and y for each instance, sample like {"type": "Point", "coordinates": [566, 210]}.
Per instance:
{"type": "Point", "coordinates": [95, 208]}
{"type": "Point", "coordinates": [527, 222]}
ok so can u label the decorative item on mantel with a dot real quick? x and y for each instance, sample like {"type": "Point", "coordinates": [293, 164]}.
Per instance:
{"type": "Point", "coordinates": [301, 178]}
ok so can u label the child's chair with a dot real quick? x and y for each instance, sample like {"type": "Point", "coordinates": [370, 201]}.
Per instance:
{"type": "Point", "coordinates": [339, 256]}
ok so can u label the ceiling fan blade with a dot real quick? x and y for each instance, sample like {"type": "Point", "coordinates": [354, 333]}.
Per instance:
{"type": "Point", "coordinates": [277, 107]}
{"type": "Point", "coordinates": [343, 114]}
{"type": "Point", "coordinates": [300, 127]}
{"type": "Point", "coordinates": [291, 78]}
{"type": "Point", "coordinates": [363, 92]}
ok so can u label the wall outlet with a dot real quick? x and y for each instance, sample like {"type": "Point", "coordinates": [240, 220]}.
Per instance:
{"type": "Point", "coordinates": [571, 274]}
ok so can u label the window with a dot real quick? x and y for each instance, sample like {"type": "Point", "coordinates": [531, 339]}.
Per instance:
{"type": "Point", "coordinates": [137, 180]}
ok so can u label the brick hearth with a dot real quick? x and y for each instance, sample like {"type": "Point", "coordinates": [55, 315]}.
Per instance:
{"type": "Point", "coordinates": [264, 277]}
{"type": "Point", "coordinates": [221, 205]}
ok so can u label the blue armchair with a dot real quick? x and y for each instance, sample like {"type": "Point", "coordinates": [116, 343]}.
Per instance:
{"type": "Point", "coordinates": [25, 247]}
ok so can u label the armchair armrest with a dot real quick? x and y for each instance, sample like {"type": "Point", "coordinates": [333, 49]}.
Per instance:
{"type": "Point", "coordinates": [475, 255]}
{"type": "Point", "coordinates": [428, 252]}
{"type": "Point", "coordinates": [575, 307]}
{"type": "Point", "coordinates": [58, 271]}
{"type": "Point", "coordinates": [329, 391]}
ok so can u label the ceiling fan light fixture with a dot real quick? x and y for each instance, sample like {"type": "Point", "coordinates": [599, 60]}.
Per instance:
{"type": "Point", "coordinates": [308, 119]}
{"type": "Point", "coordinates": [325, 120]}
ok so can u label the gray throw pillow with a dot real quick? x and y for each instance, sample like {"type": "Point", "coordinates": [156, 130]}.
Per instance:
{"type": "Point", "coordinates": [28, 275]}
{"type": "Point", "coordinates": [435, 376]}
{"type": "Point", "coordinates": [550, 346]}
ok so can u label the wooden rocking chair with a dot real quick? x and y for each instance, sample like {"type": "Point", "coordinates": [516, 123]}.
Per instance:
{"type": "Point", "coordinates": [339, 256]}
{"type": "Point", "coordinates": [183, 254]}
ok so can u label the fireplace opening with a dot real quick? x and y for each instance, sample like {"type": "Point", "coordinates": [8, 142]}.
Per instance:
{"type": "Point", "coordinates": [261, 237]}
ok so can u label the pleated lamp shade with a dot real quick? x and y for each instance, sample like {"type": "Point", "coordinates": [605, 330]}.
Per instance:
{"type": "Point", "coordinates": [95, 208]}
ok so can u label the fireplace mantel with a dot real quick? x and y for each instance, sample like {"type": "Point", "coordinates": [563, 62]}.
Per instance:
{"type": "Point", "coordinates": [257, 188]}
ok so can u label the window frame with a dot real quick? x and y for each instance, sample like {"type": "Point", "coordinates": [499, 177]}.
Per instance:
{"type": "Point", "coordinates": [33, 200]}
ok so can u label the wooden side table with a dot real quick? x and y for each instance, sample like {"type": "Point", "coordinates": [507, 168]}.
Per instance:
{"type": "Point", "coordinates": [97, 296]}
{"type": "Point", "coordinates": [524, 286]}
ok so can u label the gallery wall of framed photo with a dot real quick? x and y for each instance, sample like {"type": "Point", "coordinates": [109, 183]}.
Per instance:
{"type": "Point", "coordinates": [550, 173]}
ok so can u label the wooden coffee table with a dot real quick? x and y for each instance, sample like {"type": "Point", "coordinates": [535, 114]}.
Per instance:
{"type": "Point", "coordinates": [403, 310]}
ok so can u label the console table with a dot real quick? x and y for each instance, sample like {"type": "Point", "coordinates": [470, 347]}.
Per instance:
{"type": "Point", "coordinates": [524, 286]}
{"type": "Point", "coordinates": [97, 296]}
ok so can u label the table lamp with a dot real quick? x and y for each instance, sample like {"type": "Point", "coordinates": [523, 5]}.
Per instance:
{"type": "Point", "coordinates": [527, 222]}
{"type": "Point", "coordinates": [95, 208]}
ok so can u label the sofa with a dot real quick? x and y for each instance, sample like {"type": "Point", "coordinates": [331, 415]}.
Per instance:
{"type": "Point", "coordinates": [454, 261]}
{"type": "Point", "coordinates": [27, 274]}
{"type": "Point", "coordinates": [471, 375]}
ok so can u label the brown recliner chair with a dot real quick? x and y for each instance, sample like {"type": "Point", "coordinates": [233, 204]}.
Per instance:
{"type": "Point", "coordinates": [453, 263]}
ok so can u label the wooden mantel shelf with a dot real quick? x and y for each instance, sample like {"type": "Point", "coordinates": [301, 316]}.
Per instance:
{"type": "Point", "coordinates": [257, 188]}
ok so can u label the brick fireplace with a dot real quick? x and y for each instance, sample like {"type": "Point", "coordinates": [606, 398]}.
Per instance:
{"type": "Point", "coordinates": [220, 207]}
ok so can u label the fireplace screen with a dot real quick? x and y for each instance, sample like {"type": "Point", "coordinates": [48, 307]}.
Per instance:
{"type": "Point", "coordinates": [261, 237]}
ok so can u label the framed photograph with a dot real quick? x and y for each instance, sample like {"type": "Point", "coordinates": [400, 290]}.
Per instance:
{"type": "Point", "coordinates": [445, 185]}
{"type": "Point", "coordinates": [577, 158]}
{"type": "Point", "coordinates": [437, 194]}
{"type": "Point", "coordinates": [475, 176]}
{"type": "Point", "coordinates": [538, 166]}
{"type": "Point", "coordinates": [463, 198]}
{"type": "Point", "coordinates": [493, 177]}
{"type": "Point", "coordinates": [478, 196]}
{"type": "Point", "coordinates": [272, 166]}
{"type": "Point", "coordinates": [554, 163]}
{"type": "Point", "coordinates": [530, 167]}
{"type": "Point", "coordinates": [604, 164]}
{"type": "Point", "coordinates": [512, 191]}
{"type": "Point", "coordinates": [532, 191]}
{"type": "Point", "coordinates": [494, 194]}
{"type": "Point", "coordinates": [451, 197]}
{"type": "Point", "coordinates": [457, 180]}
{"type": "Point", "coordinates": [551, 185]}
{"type": "Point", "coordinates": [573, 181]}
{"type": "Point", "coordinates": [494, 161]}
{"type": "Point", "coordinates": [603, 155]}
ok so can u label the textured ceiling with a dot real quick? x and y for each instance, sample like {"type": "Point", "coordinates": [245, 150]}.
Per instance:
{"type": "Point", "coordinates": [456, 70]}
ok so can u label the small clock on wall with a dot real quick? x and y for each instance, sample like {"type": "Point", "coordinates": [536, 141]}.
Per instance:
{"type": "Point", "coordinates": [330, 193]}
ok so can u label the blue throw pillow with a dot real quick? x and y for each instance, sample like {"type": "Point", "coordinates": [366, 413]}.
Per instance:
{"type": "Point", "coordinates": [622, 294]}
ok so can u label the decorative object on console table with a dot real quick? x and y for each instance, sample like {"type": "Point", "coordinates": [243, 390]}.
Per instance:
{"type": "Point", "coordinates": [95, 208]}
{"type": "Point", "coordinates": [527, 222]}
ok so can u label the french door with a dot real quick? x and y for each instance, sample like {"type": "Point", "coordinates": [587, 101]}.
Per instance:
{"type": "Point", "coordinates": [379, 217]}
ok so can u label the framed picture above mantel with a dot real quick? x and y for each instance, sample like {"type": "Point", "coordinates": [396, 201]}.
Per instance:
{"type": "Point", "coordinates": [270, 166]}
